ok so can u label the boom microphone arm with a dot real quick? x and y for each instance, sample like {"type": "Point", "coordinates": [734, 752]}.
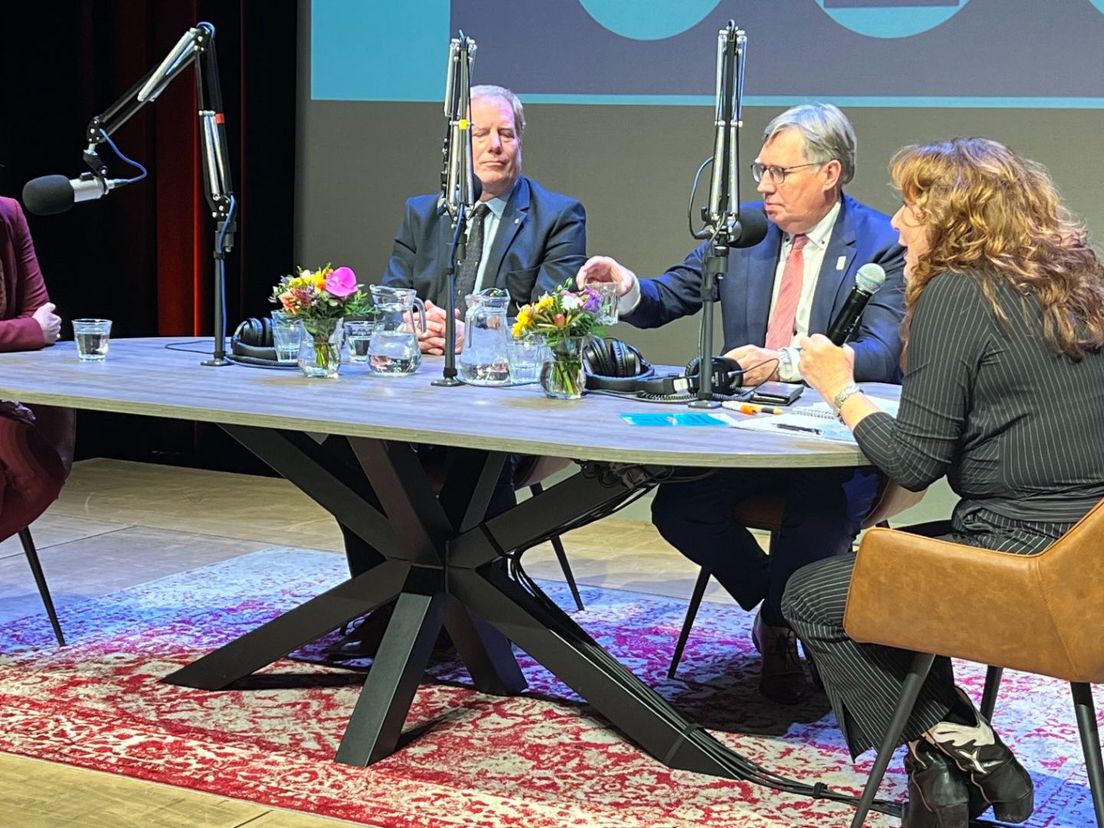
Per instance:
{"type": "Point", "coordinates": [197, 45]}
{"type": "Point", "coordinates": [460, 189]}
{"type": "Point", "coordinates": [722, 216]}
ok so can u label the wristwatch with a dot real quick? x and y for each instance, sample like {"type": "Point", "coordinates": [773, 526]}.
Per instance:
{"type": "Point", "coordinates": [845, 393]}
{"type": "Point", "coordinates": [787, 365]}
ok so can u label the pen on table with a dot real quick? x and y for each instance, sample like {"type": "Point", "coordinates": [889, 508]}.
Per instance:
{"type": "Point", "coordinates": [807, 429]}
{"type": "Point", "coordinates": [752, 408]}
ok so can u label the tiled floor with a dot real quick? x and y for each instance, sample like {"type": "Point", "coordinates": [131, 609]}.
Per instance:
{"type": "Point", "coordinates": [118, 524]}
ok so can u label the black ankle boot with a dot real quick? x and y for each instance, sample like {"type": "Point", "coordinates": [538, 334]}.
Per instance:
{"type": "Point", "coordinates": [938, 796]}
{"type": "Point", "coordinates": [988, 764]}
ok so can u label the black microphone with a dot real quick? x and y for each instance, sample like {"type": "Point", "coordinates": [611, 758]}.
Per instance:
{"type": "Point", "coordinates": [52, 194]}
{"type": "Point", "coordinates": [753, 226]}
{"type": "Point", "coordinates": [867, 281]}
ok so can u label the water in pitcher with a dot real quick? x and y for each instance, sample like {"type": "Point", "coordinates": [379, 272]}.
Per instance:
{"type": "Point", "coordinates": [394, 352]}
{"type": "Point", "coordinates": [393, 349]}
{"type": "Point", "coordinates": [485, 359]}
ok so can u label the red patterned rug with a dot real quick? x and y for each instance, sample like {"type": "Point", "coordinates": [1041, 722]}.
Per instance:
{"type": "Point", "coordinates": [538, 760]}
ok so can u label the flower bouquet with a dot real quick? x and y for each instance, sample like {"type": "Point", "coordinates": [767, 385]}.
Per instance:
{"type": "Point", "coordinates": [565, 318]}
{"type": "Point", "coordinates": [321, 299]}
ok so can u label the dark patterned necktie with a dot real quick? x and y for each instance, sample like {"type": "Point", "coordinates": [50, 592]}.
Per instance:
{"type": "Point", "coordinates": [469, 268]}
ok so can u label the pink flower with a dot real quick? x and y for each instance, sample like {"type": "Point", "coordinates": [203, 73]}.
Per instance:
{"type": "Point", "coordinates": [341, 283]}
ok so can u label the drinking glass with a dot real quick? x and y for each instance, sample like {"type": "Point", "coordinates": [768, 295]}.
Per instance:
{"type": "Point", "coordinates": [527, 353]}
{"type": "Point", "coordinates": [609, 297]}
{"type": "Point", "coordinates": [287, 332]}
{"type": "Point", "coordinates": [358, 333]}
{"type": "Point", "coordinates": [92, 337]}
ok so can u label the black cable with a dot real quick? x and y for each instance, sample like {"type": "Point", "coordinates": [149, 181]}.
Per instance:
{"type": "Point", "coordinates": [693, 192]}
{"type": "Point", "coordinates": [742, 766]}
{"type": "Point", "coordinates": [176, 346]}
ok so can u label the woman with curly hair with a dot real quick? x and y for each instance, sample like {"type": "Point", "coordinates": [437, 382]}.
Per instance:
{"type": "Point", "coordinates": [1003, 392]}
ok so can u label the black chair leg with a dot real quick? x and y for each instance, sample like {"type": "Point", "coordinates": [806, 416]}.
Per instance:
{"type": "Point", "coordinates": [1090, 745]}
{"type": "Point", "coordinates": [561, 556]}
{"type": "Point", "coordinates": [914, 680]}
{"type": "Point", "coordinates": [989, 694]}
{"type": "Point", "coordinates": [40, 579]}
{"type": "Point", "coordinates": [688, 621]}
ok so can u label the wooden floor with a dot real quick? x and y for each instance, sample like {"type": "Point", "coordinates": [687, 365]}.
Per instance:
{"type": "Point", "coordinates": [110, 508]}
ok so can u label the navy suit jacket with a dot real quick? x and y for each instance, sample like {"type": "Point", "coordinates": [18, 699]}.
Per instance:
{"type": "Point", "coordinates": [540, 243]}
{"type": "Point", "coordinates": [860, 235]}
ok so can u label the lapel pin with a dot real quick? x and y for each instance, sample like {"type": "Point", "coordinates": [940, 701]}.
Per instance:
{"type": "Point", "coordinates": [840, 262]}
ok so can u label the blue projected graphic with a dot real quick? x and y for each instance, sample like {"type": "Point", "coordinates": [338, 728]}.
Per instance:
{"type": "Point", "coordinates": [663, 18]}
{"type": "Point", "coordinates": [891, 18]}
{"type": "Point", "coordinates": [915, 53]}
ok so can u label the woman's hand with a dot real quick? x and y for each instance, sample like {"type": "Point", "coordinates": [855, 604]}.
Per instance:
{"type": "Point", "coordinates": [826, 367]}
{"type": "Point", "coordinates": [49, 321]}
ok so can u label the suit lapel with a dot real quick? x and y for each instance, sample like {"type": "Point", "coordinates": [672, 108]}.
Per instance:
{"type": "Point", "coordinates": [761, 266]}
{"type": "Point", "coordinates": [839, 259]}
{"type": "Point", "coordinates": [513, 219]}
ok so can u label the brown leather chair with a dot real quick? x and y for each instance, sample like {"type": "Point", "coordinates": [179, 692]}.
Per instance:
{"type": "Point", "coordinates": [1039, 613]}
{"type": "Point", "coordinates": [58, 426]}
{"type": "Point", "coordinates": [765, 513]}
{"type": "Point", "coordinates": [531, 471]}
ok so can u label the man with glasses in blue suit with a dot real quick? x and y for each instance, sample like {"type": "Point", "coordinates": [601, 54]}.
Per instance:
{"type": "Point", "coordinates": [792, 284]}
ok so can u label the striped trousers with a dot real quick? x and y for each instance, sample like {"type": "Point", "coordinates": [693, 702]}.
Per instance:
{"type": "Point", "coordinates": [864, 681]}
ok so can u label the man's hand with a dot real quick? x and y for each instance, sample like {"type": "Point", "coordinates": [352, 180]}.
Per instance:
{"type": "Point", "coordinates": [49, 321]}
{"type": "Point", "coordinates": [432, 342]}
{"type": "Point", "coordinates": [605, 269]}
{"type": "Point", "coordinates": [759, 364]}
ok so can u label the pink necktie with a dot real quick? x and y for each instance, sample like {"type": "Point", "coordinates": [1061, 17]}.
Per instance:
{"type": "Point", "coordinates": [780, 331]}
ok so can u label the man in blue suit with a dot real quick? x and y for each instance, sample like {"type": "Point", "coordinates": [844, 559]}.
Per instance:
{"type": "Point", "coordinates": [791, 284]}
{"type": "Point", "coordinates": [528, 240]}
{"type": "Point", "coordinates": [521, 237]}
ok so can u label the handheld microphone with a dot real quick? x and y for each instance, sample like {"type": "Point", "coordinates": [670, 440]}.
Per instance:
{"type": "Point", "coordinates": [49, 195]}
{"type": "Point", "coordinates": [867, 281]}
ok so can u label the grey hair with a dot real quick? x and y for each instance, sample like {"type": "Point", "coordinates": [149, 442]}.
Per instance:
{"type": "Point", "coordinates": [486, 90]}
{"type": "Point", "coordinates": [828, 135]}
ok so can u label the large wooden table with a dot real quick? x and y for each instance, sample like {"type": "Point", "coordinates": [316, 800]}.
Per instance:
{"type": "Point", "coordinates": [441, 559]}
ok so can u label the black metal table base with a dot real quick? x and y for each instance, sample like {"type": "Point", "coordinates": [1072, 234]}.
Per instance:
{"type": "Point", "coordinates": [441, 566]}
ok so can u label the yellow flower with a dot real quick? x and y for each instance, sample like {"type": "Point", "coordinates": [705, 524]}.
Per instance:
{"type": "Point", "coordinates": [544, 303]}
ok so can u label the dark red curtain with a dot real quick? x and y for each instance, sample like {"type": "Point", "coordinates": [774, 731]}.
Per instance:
{"type": "Point", "coordinates": [142, 255]}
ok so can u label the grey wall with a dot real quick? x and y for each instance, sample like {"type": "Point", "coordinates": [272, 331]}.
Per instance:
{"type": "Point", "coordinates": [632, 168]}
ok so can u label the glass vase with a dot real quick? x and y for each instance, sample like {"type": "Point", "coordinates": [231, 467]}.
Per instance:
{"type": "Point", "coordinates": [562, 376]}
{"type": "Point", "coordinates": [320, 347]}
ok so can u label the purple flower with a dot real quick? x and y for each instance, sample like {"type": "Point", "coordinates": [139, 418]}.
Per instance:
{"type": "Point", "coordinates": [341, 282]}
{"type": "Point", "coordinates": [593, 301]}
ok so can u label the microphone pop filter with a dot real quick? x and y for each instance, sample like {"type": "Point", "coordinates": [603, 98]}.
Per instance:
{"type": "Point", "coordinates": [753, 227]}
{"type": "Point", "coordinates": [48, 195]}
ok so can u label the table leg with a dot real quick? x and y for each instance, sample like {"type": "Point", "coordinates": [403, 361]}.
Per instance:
{"type": "Point", "coordinates": [376, 723]}
{"type": "Point", "coordinates": [277, 638]}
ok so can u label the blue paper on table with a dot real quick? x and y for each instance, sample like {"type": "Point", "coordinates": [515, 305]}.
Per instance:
{"type": "Point", "coordinates": [684, 418]}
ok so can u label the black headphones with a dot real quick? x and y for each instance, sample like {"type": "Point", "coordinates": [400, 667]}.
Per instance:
{"type": "Point", "coordinates": [252, 342]}
{"type": "Point", "coordinates": [613, 365]}
{"type": "Point", "coordinates": [728, 376]}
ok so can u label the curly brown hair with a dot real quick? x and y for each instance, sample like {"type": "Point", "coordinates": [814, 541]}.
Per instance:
{"type": "Point", "coordinates": [992, 213]}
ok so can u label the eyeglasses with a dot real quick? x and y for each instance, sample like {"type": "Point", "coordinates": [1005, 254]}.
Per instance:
{"type": "Point", "coordinates": [777, 174]}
